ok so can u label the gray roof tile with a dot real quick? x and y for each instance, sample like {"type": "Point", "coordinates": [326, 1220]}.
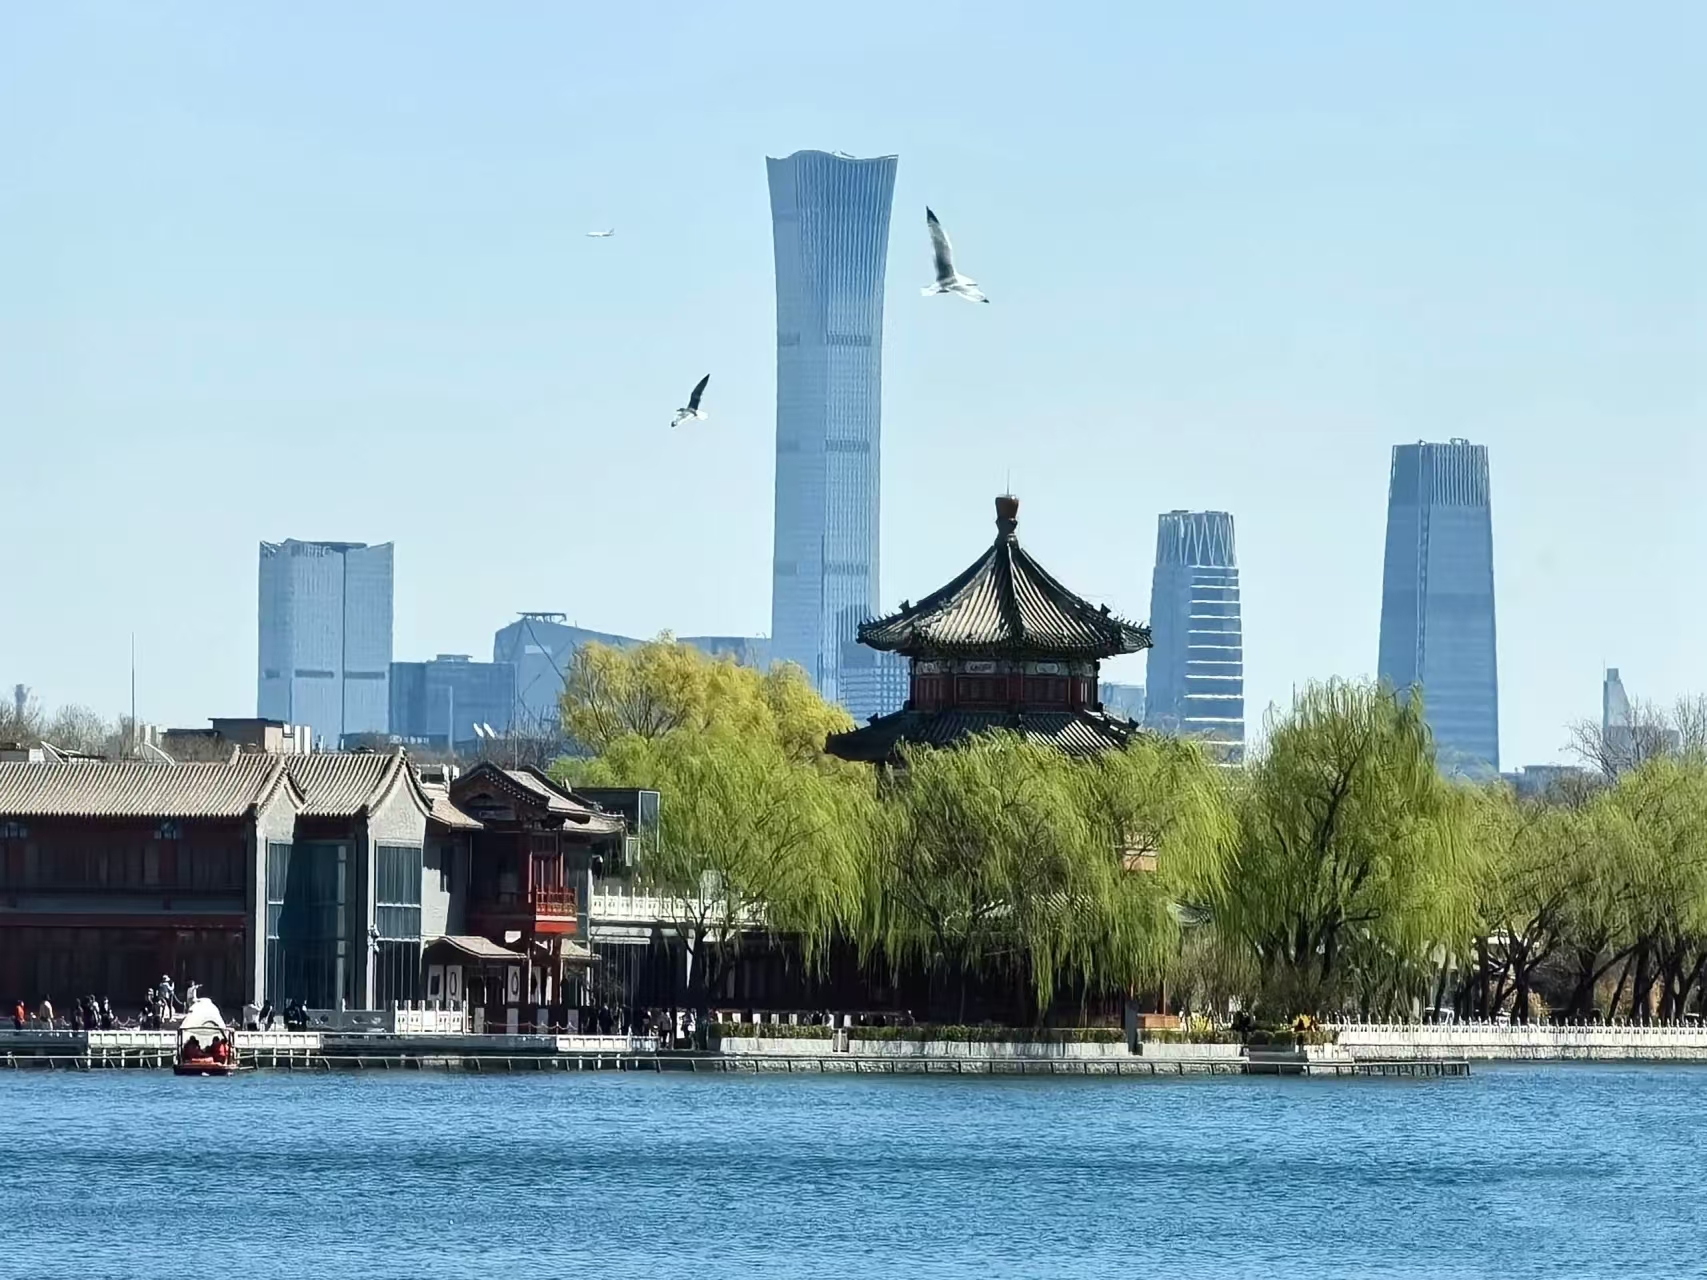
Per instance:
{"type": "Point", "coordinates": [134, 789]}
{"type": "Point", "coordinates": [1005, 604]}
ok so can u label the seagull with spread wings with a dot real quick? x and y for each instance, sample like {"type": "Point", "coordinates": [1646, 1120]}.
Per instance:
{"type": "Point", "coordinates": [692, 410]}
{"type": "Point", "coordinates": [948, 280]}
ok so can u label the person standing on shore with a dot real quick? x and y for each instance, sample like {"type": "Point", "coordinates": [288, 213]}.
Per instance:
{"type": "Point", "coordinates": [45, 1013]}
{"type": "Point", "coordinates": [18, 1016]}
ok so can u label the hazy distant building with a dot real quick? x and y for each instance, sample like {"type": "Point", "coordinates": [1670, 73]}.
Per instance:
{"type": "Point", "coordinates": [872, 683]}
{"type": "Point", "coordinates": [1545, 781]}
{"type": "Point", "coordinates": [439, 703]}
{"type": "Point", "coordinates": [325, 636]}
{"type": "Point", "coordinates": [1196, 676]}
{"type": "Point", "coordinates": [830, 226]}
{"type": "Point", "coordinates": [541, 647]}
{"type": "Point", "coordinates": [225, 735]}
{"type": "Point", "coordinates": [1437, 598]}
{"type": "Point", "coordinates": [1628, 736]}
{"type": "Point", "coordinates": [1123, 699]}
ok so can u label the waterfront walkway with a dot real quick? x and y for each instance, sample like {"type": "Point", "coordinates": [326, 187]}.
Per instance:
{"type": "Point", "coordinates": [337, 1051]}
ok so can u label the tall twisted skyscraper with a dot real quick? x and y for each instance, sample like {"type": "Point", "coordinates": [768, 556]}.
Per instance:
{"type": "Point", "coordinates": [830, 222]}
{"type": "Point", "coordinates": [1437, 598]}
{"type": "Point", "coordinates": [1196, 673]}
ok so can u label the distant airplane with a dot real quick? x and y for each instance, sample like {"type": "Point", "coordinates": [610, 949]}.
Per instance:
{"type": "Point", "coordinates": [600, 235]}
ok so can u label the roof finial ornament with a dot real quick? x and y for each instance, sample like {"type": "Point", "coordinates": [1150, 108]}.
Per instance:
{"type": "Point", "coordinates": [1007, 515]}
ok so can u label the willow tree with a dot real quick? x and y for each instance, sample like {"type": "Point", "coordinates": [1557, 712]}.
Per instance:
{"type": "Point", "coordinates": [1002, 857]}
{"type": "Point", "coordinates": [1161, 808]}
{"type": "Point", "coordinates": [749, 842]}
{"type": "Point", "coordinates": [663, 686]}
{"type": "Point", "coordinates": [1662, 879]}
{"type": "Point", "coordinates": [1540, 862]}
{"type": "Point", "coordinates": [758, 828]}
{"type": "Point", "coordinates": [1355, 858]}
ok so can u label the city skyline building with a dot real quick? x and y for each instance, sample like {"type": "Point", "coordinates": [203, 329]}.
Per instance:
{"type": "Point", "coordinates": [1437, 598]}
{"type": "Point", "coordinates": [541, 646]}
{"type": "Point", "coordinates": [439, 703]}
{"type": "Point", "coordinates": [1195, 680]}
{"type": "Point", "coordinates": [830, 232]}
{"type": "Point", "coordinates": [1128, 700]}
{"type": "Point", "coordinates": [325, 635]}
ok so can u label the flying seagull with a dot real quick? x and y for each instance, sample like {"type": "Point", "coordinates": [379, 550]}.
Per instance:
{"type": "Point", "coordinates": [600, 235]}
{"type": "Point", "coordinates": [948, 280]}
{"type": "Point", "coordinates": [693, 410]}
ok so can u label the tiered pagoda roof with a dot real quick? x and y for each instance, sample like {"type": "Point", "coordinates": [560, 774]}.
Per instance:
{"type": "Point", "coordinates": [1002, 646]}
{"type": "Point", "coordinates": [1005, 604]}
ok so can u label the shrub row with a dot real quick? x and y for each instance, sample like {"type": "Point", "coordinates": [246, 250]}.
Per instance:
{"type": "Point", "coordinates": [959, 1035]}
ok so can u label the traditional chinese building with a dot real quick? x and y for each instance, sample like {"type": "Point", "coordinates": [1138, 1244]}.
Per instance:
{"type": "Point", "coordinates": [1002, 646]}
{"type": "Point", "coordinates": [533, 858]}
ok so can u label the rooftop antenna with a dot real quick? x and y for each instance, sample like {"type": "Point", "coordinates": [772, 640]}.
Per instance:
{"type": "Point", "coordinates": [133, 733]}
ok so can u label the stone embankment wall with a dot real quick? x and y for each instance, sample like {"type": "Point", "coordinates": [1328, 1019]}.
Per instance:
{"type": "Point", "coordinates": [1533, 1042]}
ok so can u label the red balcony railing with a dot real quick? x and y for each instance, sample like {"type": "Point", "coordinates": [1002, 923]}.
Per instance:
{"type": "Point", "coordinates": [553, 900]}
{"type": "Point", "coordinates": [529, 908]}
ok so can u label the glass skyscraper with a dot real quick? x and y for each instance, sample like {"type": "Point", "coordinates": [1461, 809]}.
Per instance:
{"type": "Point", "coordinates": [1437, 598]}
{"type": "Point", "coordinates": [1196, 677]}
{"type": "Point", "coordinates": [830, 223]}
{"type": "Point", "coordinates": [325, 637]}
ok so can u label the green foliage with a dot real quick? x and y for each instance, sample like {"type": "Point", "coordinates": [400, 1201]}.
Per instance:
{"type": "Point", "coordinates": [661, 687]}
{"type": "Point", "coordinates": [1338, 870]}
{"type": "Point", "coordinates": [1002, 856]}
{"type": "Point", "coordinates": [773, 1031]}
{"type": "Point", "coordinates": [926, 1033]}
{"type": "Point", "coordinates": [1193, 1035]}
{"type": "Point", "coordinates": [1355, 858]}
{"type": "Point", "coordinates": [758, 829]}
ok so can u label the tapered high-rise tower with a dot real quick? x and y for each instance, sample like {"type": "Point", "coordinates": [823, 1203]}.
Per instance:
{"type": "Point", "coordinates": [830, 222]}
{"type": "Point", "coordinates": [1437, 598]}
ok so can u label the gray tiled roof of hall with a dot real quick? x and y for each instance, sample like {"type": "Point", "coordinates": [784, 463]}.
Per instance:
{"type": "Point", "coordinates": [444, 811]}
{"type": "Point", "coordinates": [138, 789]}
{"type": "Point", "coordinates": [1005, 604]}
{"type": "Point", "coordinates": [342, 784]}
{"type": "Point", "coordinates": [560, 800]}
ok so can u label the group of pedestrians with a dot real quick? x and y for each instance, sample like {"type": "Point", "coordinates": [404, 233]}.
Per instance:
{"type": "Point", "coordinates": [669, 1025]}
{"type": "Point", "coordinates": [87, 1013]}
{"type": "Point", "coordinates": [95, 1013]}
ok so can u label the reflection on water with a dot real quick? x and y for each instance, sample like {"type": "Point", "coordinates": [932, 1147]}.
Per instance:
{"type": "Point", "coordinates": [1570, 1171]}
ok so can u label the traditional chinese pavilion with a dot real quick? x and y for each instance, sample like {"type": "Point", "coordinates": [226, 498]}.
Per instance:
{"type": "Point", "coordinates": [1002, 646]}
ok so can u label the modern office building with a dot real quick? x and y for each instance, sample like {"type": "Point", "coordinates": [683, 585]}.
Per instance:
{"type": "Point", "coordinates": [1123, 699]}
{"type": "Point", "coordinates": [1437, 599]}
{"type": "Point", "coordinates": [541, 647]}
{"type": "Point", "coordinates": [1196, 684]}
{"type": "Point", "coordinates": [439, 703]}
{"type": "Point", "coordinates": [325, 636]}
{"type": "Point", "coordinates": [872, 683]}
{"type": "Point", "coordinates": [830, 225]}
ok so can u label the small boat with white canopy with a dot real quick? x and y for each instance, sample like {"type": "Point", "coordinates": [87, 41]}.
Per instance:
{"type": "Point", "coordinates": [206, 1046]}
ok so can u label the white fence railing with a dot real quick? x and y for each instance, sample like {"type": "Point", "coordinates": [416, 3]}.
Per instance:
{"type": "Point", "coordinates": [609, 905]}
{"type": "Point", "coordinates": [1678, 1041]}
{"type": "Point", "coordinates": [422, 1020]}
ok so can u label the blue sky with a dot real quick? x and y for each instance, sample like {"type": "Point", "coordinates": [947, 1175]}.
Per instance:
{"type": "Point", "coordinates": [320, 272]}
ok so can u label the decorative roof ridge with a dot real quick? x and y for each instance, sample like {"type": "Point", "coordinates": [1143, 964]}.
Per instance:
{"type": "Point", "coordinates": [1005, 601]}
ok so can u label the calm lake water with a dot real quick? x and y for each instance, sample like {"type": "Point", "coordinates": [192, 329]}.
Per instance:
{"type": "Point", "coordinates": [1536, 1171]}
